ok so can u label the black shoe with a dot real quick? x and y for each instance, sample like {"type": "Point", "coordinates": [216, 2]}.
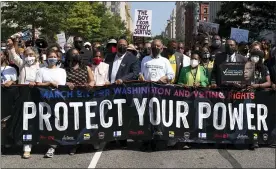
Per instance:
{"type": "Point", "coordinates": [253, 146]}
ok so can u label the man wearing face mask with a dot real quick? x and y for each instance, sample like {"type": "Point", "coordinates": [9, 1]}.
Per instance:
{"type": "Point", "coordinates": [244, 49]}
{"type": "Point", "coordinates": [146, 51]}
{"type": "Point", "coordinates": [111, 47]}
{"type": "Point", "coordinates": [175, 58]}
{"type": "Point", "coordinates": [155, 67]}
{"type": "Point", "coordinates": [85, 54]}
{"type": "Point", "coordinates": [230, 55]}
{"type": "Point", "coordinates": [216, 46]}
{"type": "Point", "coordinates": [123, 65]}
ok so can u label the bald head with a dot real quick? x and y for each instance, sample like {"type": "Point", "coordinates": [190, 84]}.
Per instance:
{"type": "Point", "coordinates": [157, 42]}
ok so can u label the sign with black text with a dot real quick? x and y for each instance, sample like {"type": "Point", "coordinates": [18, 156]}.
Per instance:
{"type": "Point", "coordinates": [142, 23]}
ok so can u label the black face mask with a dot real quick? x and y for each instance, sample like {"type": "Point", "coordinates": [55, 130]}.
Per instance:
{"type": "Point", "coordinates": [122, 49]}
{"type": "Point", "coordinates": [229, 50]}
{"type": "Point", "coordinates": [76, 58]}
{"type": "Point", "coordinates": [155, 52]}
{"type": "Point", "coordinates": [147, 51]}
{"type": "Point", "coordinates": [206, 56]}
{"type": "Point", "coordinates": [78, 44]}
{"type": "Point", "coordinates": [171, 51]}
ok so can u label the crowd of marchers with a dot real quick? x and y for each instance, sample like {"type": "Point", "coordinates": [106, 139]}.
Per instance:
{"type": "Point", "coordinates": [84, 64]}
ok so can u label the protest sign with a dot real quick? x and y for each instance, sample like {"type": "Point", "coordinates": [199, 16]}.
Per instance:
{"type": "Point", "coordinates": [242, 73]}
{"type": "Point", "coordinates": [210, 28]}
{"type": "Point", "coordinates": [240, 35]}
{"type": "Point", "coordinates": [61, 39]}
{"type": "Point", "coordinates": [142, 23]}
{"type": "Point", "coordinates": [136, 111]}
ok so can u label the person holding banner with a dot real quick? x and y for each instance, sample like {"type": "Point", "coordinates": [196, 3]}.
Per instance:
{"type": "Point", "coordinates": [123, 65]}
{"type": "Point", "coordinates": [100, 69]}
{"type": "Point", "coordinates": [157, 67]}
{"type": "Point", "coordinates": [194, 75]}
{"type": "Point", "coordinates": [230, 55]}
{"type": "Point", "coordinates": [51, 76]}
{"type": "Point", "coordinates": [261, 73]}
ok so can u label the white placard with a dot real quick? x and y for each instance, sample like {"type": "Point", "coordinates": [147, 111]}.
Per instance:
{"type": "Point", "coordinates": [61, 39]}
{"type": "Point", "coordinates": [142, 23]}
{"type": "Point", "coordinates": [240, 35]}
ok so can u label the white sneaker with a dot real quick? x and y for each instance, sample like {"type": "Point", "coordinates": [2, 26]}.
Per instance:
{"type": "Point", "coordinates": [50, 153]}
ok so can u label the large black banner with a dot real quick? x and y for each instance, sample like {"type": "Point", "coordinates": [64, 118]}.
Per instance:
{"type": "Point", "coordinates": [144, 111]}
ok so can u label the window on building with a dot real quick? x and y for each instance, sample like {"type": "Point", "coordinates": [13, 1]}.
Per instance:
{"type": "Point", "coordinates": [205, 10]}
{"type": "Point", "coordinates": [113, 3]}
{"type": "Point", "coordinates": [205, 18]}
{"type": "Point", "coordinates": [104, 3]}
{"type": "Point", "coordinates": [112, 9]}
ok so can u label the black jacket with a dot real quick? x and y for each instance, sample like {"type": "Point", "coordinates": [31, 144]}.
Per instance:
{"type": "Point", "coordinates": [86, 56]}
{"type": "Point", "coordinates": [129, 68]}
{"type": "Point", "coordinates": [222, 58]}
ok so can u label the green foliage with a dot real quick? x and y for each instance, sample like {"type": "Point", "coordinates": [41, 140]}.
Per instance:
{"type": "Point", "coordinates": [88, 19]}
{"type": "Point", "coordinates": [261, 16]}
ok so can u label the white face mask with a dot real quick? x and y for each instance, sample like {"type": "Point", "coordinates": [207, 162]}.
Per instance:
{"type": "Point", "coordinates": [44, 56]}
{"type": "Point", "coordinates": [30, 60]}
{"type": "Point", "coordinates": [194, 63]}
{"type": "Point", "coordinates": [255, 59]}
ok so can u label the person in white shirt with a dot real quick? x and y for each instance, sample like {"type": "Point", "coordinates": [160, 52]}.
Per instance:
{"type": "Point", "coordinates": [51, 75]}
{"type": "Point", "coordinates": [100, 69]}
{"type": "Point", "coordinates": [28, 65]}
{"type": "Point", "coordinates": [8, 73]}
{"type": "Point", "coordinates": [186, 59]}
{"type": "Point", "coordinates": [156, 67]}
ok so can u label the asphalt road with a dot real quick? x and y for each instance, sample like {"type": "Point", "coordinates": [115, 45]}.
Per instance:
{"type": "Point", "coordinates": [200, 156]}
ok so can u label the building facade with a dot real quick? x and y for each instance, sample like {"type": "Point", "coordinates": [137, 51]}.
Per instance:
{"type": "Point", "coordinates": [214, 8]}
{"type": "Point", "coordinates": [123, 9]}
{"type": "Point", "coordinates": [170, 26]}
{"type": "Point", "coordinates": [180, 21]}
{"type": "Point", "coordinates": [204, 11]}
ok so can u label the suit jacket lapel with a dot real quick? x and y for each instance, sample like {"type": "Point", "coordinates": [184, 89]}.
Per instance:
{"type": "Point", "coordinates": [122, 65]}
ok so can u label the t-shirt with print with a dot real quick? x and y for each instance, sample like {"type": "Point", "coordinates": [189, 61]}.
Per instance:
{"type": "Point", "coordinates": [260, 76]}
{"type": "Point", "coordinates": [8, 73]}
{"type": "Point", "coordinates": [57, 75]}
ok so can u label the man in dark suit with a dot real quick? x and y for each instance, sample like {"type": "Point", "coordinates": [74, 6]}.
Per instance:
{"type": "Point", "coordinates": [85, 54]}
{"type": "Point", "coordinates": [175, 58]}
{"type": "Point", "coordinates": [230, 55]}
{"type": "Point", "coordinates": [123, 65]}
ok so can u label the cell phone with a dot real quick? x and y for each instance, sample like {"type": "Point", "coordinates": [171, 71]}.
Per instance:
{"type": "Point", "coordinates": [6, 118]}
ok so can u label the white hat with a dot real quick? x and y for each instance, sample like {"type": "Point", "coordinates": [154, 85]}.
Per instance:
{"type": "Point", "coordinates": [112, 41]}
{"type": "Point", "coordinates": [87, 43]}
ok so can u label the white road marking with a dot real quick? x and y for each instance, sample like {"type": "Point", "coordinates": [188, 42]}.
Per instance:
{"type": "Point", "coordinates": [96, 157]}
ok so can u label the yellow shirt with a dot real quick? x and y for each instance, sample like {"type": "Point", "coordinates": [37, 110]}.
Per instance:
{"type": "Point", "coordinates": [173, 64]}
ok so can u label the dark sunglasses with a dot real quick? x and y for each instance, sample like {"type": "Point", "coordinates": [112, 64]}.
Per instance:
{"type": "Point", "coordinates": [78, 41]}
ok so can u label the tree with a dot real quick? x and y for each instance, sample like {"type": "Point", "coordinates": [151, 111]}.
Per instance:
{"type": "Point", "coordinates": [253, 16]}
{"type": "Point", "coordinates": [81, 21]}
{"type": "Point", "coordinates": [42, 15]}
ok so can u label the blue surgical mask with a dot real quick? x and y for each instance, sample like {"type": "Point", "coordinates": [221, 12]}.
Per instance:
{"type": "Point", "coordinates": [52, 61]}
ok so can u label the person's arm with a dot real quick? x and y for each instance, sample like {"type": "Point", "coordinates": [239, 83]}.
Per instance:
{"type": "Point", "coordinates": [267, 83]}
{"type": "Point", "coordinates": [91, 81]}
{"type": "Point", "coordinates": [169, 73]}
{"type": "Point", "coordinates": [14, 57]}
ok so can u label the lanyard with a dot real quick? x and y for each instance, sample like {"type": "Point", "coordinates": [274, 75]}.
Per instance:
{"type": "Point", "coordinates": [194, 75]}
